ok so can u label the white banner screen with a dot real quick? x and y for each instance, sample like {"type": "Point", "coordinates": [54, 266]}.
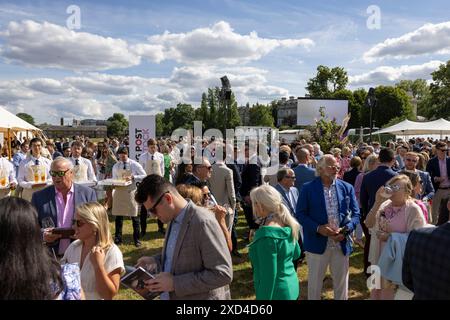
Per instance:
{"type": "Point", "coordinates": [142, 128]}
{"type": "Point", "coordinates": [308, 110]}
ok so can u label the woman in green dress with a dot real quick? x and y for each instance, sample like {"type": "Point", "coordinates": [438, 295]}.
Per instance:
{"type": "Point", "coordinates": [274, 247]}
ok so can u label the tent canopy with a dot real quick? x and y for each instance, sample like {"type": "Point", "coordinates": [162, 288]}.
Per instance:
{"type": "Point", "coordinates": [408, 127]}
{"type": "Point", "coordinates": [13, 122]}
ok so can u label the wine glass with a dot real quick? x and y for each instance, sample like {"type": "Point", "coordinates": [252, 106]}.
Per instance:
{"type": "Point", "coordinates": [47, 222]}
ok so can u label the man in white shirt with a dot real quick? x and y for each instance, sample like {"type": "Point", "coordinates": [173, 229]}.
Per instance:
{"type": "Point", "coordinates": [20, 156]}
{"type": "Point", "coordinates": [7, 177]}
{"type": "Point", "coordinates": [151, 158]}
{"type": "Point", "coordinates": [123, 197]}
{"type": "Point", "coordinates": [82, 167]}
{"type": "Point", "coordinates": [35, 168]}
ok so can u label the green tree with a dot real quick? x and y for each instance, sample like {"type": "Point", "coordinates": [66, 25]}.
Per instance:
{"type": "Point", "coordinates": [327, 81]}
{"type": "Point", "coordinates": [418, 87]}
{"type": "Point", "coordinates": [439, 100]}
{"type": "Point", "coordinates": [117, 125]}
{"type": "Point", "coordinates": [261, 115]}
{"type": "Point", "coordinates": [26, 117]}
{"type": "Point", "coordinates": [359, 96]}
{"type": "Point", "coordinates": [228, 114]}
{"type": "Point", "coordinates": [159, 120]}
{"type": "Point", "coordinates": [354, 107]}
{"type": "Point", "coordinates": [392, 102]}
{"type": "Point", "coordinates": [183, 116]}
{"type": "Point", "coordinates": [213, 104]}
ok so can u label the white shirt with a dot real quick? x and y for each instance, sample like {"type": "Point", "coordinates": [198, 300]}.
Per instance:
{"type": "Point", "coordinates": [30, 161]}
{"type": "Point", "coordinates": [113, 260]}
{"type": "Point", "coordinates": [156, 156]}
{"type": "Point", "coordinates": [137, 171]}
{"type": "Point", "coordinates": [90, 171]}
{"type": "Point", "coordinates": [8, 167]}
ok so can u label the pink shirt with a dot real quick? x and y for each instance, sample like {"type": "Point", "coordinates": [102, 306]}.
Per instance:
{"type": "Point", "coordinates": [443, 169]}
{"type": "Point", "coordinates": [65, 213]}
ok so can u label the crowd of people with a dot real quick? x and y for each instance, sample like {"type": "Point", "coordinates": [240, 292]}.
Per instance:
{"type": "Point", "coordinates": [57, 198]}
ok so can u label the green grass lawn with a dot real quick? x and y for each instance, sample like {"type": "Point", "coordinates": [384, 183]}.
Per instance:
{"type": "Point", "coordinates": [242, 285]}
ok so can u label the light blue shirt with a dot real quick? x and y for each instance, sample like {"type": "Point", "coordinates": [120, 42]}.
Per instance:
{"type": "Point", "coordinates": [174, 231]}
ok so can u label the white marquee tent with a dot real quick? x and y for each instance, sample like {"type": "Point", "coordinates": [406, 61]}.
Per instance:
{"type": "Point", "coordinates": [411, 128]}
{"type": "Point", "coordinates": [11, 124]}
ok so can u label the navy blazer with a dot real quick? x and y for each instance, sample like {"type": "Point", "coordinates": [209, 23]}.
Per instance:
{"type": "Point", "coordinates": [251, 178]}
{"type": "Point", "coordinates": [302, 175]}
{"type": "Point", "coordinates": [433, 169]}
{"type": "Point", "coordinates": [427, 185]}
{"type": "Point", "coordinates": [287, 202]}
{"type": "Point", "coordinates": [311, 213]}
{"type": "Point", "coordinates": [371, 182]}
{"type": "Point", "coordinates": [426, 263]}
{"type": "Point", "coordinates": [45, 203]}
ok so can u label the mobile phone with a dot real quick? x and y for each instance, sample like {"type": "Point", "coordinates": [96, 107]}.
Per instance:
{"type": "Point", "coordinates": [64, 232]}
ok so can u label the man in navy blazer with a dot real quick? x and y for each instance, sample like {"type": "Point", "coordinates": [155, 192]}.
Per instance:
{"type": "Point", "coordinates": [51, 201]}
{"type": "Point", "coordinates": [303, 174]}
{"type": "Point", "coordinates": [426, 263]}
{"type": "Point", "coordinates": [439, 169]}
{"type": "Point", "coordinates": [328, 212]}
{"type": "Point", "coordinates": [371, 182]}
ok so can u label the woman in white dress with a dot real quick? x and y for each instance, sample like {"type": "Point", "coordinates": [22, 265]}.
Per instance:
{"type": "Point", "coordinates": [100, 260]}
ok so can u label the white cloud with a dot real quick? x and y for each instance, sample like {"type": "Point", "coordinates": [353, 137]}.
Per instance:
{"type": "Point", "coordinates": [12, 91]}
{"type": "Point", "coordinates": [266, 92]}
{"type": "Point", "coordinates": [218, 44]}
{"type": "Point", "coordinates": [47, 85]}
{"type": "Point", "coordinates": [49, 45]}
{"type": "Point", "coordinates": [172, 95]}
{"type": "Point", "coordinates": [390, 75]}
{"type": "Point", "coordinates": [79, 108]}
{"type": "Point", "coordinates": [140, 103]}
{"type": "Point", "coordinates": [428, 39]}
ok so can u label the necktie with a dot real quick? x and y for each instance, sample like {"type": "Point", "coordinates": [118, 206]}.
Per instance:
{"type": "Point", "coordinates": [36, 162]}
{"type": "Point", "coordinates": [124, 166]}
{"type": "Point", "coordinates": [77, 162]}
{"type": "Point", "coordinates": [153, 157]}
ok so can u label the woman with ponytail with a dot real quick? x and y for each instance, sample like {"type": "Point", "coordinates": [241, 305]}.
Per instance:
{"type": "Point", "coordinates": [274, 247]}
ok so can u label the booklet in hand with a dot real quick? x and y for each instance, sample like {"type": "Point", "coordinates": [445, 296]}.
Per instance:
{"type": "Point", "coordinates": [135, 280]}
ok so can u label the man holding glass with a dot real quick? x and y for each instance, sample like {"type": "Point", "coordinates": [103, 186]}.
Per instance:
{"type": "Point", "coordinates": [56, 204]}
{"type": "Point", "coordinates": [328, 212]}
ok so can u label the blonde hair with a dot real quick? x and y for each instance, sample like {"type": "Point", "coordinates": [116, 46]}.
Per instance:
{"type": "Point", "coordinates": [370, 160]}
{"type": "Point", "coordinates": [286, 148]}
{"type": "Point", "coordinates": [408, 185]}
{"type": "Point", "coordinates": [95, 214]}
{"type": "Point", "coordinates": [270, 199]}
{"type": "Point", "coordinates": [191, 192]}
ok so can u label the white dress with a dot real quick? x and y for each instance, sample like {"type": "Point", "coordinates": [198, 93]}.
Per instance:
{"type": "Point", "coordinates": [113, 260]}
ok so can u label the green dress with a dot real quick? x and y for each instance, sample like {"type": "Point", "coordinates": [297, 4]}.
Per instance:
{"type": "Point", "coordinates": [272, 253]}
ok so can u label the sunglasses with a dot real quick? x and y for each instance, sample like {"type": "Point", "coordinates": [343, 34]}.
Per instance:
{"type": "Point", "coordinates": [78, 223]}
{"type": "Point", "coordinates": [337, 168]}
{"type": "Point", "coordinates": [290, 177]}
{"type": "Point", "coordinates": [443, 150]}
{"type": "Point", "coordinates": [58, 173]}
{"type": "Point", "coordinates": [152, 210]}
{"type": "Point", "coordinates": [412, 160]}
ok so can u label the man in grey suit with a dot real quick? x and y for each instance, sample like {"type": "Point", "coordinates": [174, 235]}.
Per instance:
{"type": "Point", "coordinates": [303, 174]}
{"type": "Point", "coordinates": [222, 187]}
{"type": "Point", "coordinates": [56, 204]}
{"type": "Point", "coordinates": [195, 262]}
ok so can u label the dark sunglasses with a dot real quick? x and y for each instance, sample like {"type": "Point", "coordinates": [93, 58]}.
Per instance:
{"type": "Point", "coordinates": [79, 223]}
{"type": "Point", "coordinates": [412, 160]}
{"type": "Point", "coordinates": [58, 173]}
{"type": "Point", "coordinates": [290, 177]}
{"type": "Point", "coordinates": [152, 210]}
{"type": "Point", "coordinates": [443, 150]}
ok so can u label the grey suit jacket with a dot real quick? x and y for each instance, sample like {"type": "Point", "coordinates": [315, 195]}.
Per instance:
{"type": "Point", "coordinates": [222, 185]}
{"type": "Point", "coordinates": [201, 265]}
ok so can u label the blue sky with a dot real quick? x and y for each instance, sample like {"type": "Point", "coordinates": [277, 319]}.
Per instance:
{"type": "Point", "coordinates": [140, 57]}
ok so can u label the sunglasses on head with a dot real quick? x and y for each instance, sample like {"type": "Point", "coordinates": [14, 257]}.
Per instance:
{"type": "Point", "coordinates": [58, 173]}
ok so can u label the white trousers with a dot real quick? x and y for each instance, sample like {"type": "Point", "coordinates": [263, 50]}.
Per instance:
{"type": "Point", "coordinates": [317, 267]}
